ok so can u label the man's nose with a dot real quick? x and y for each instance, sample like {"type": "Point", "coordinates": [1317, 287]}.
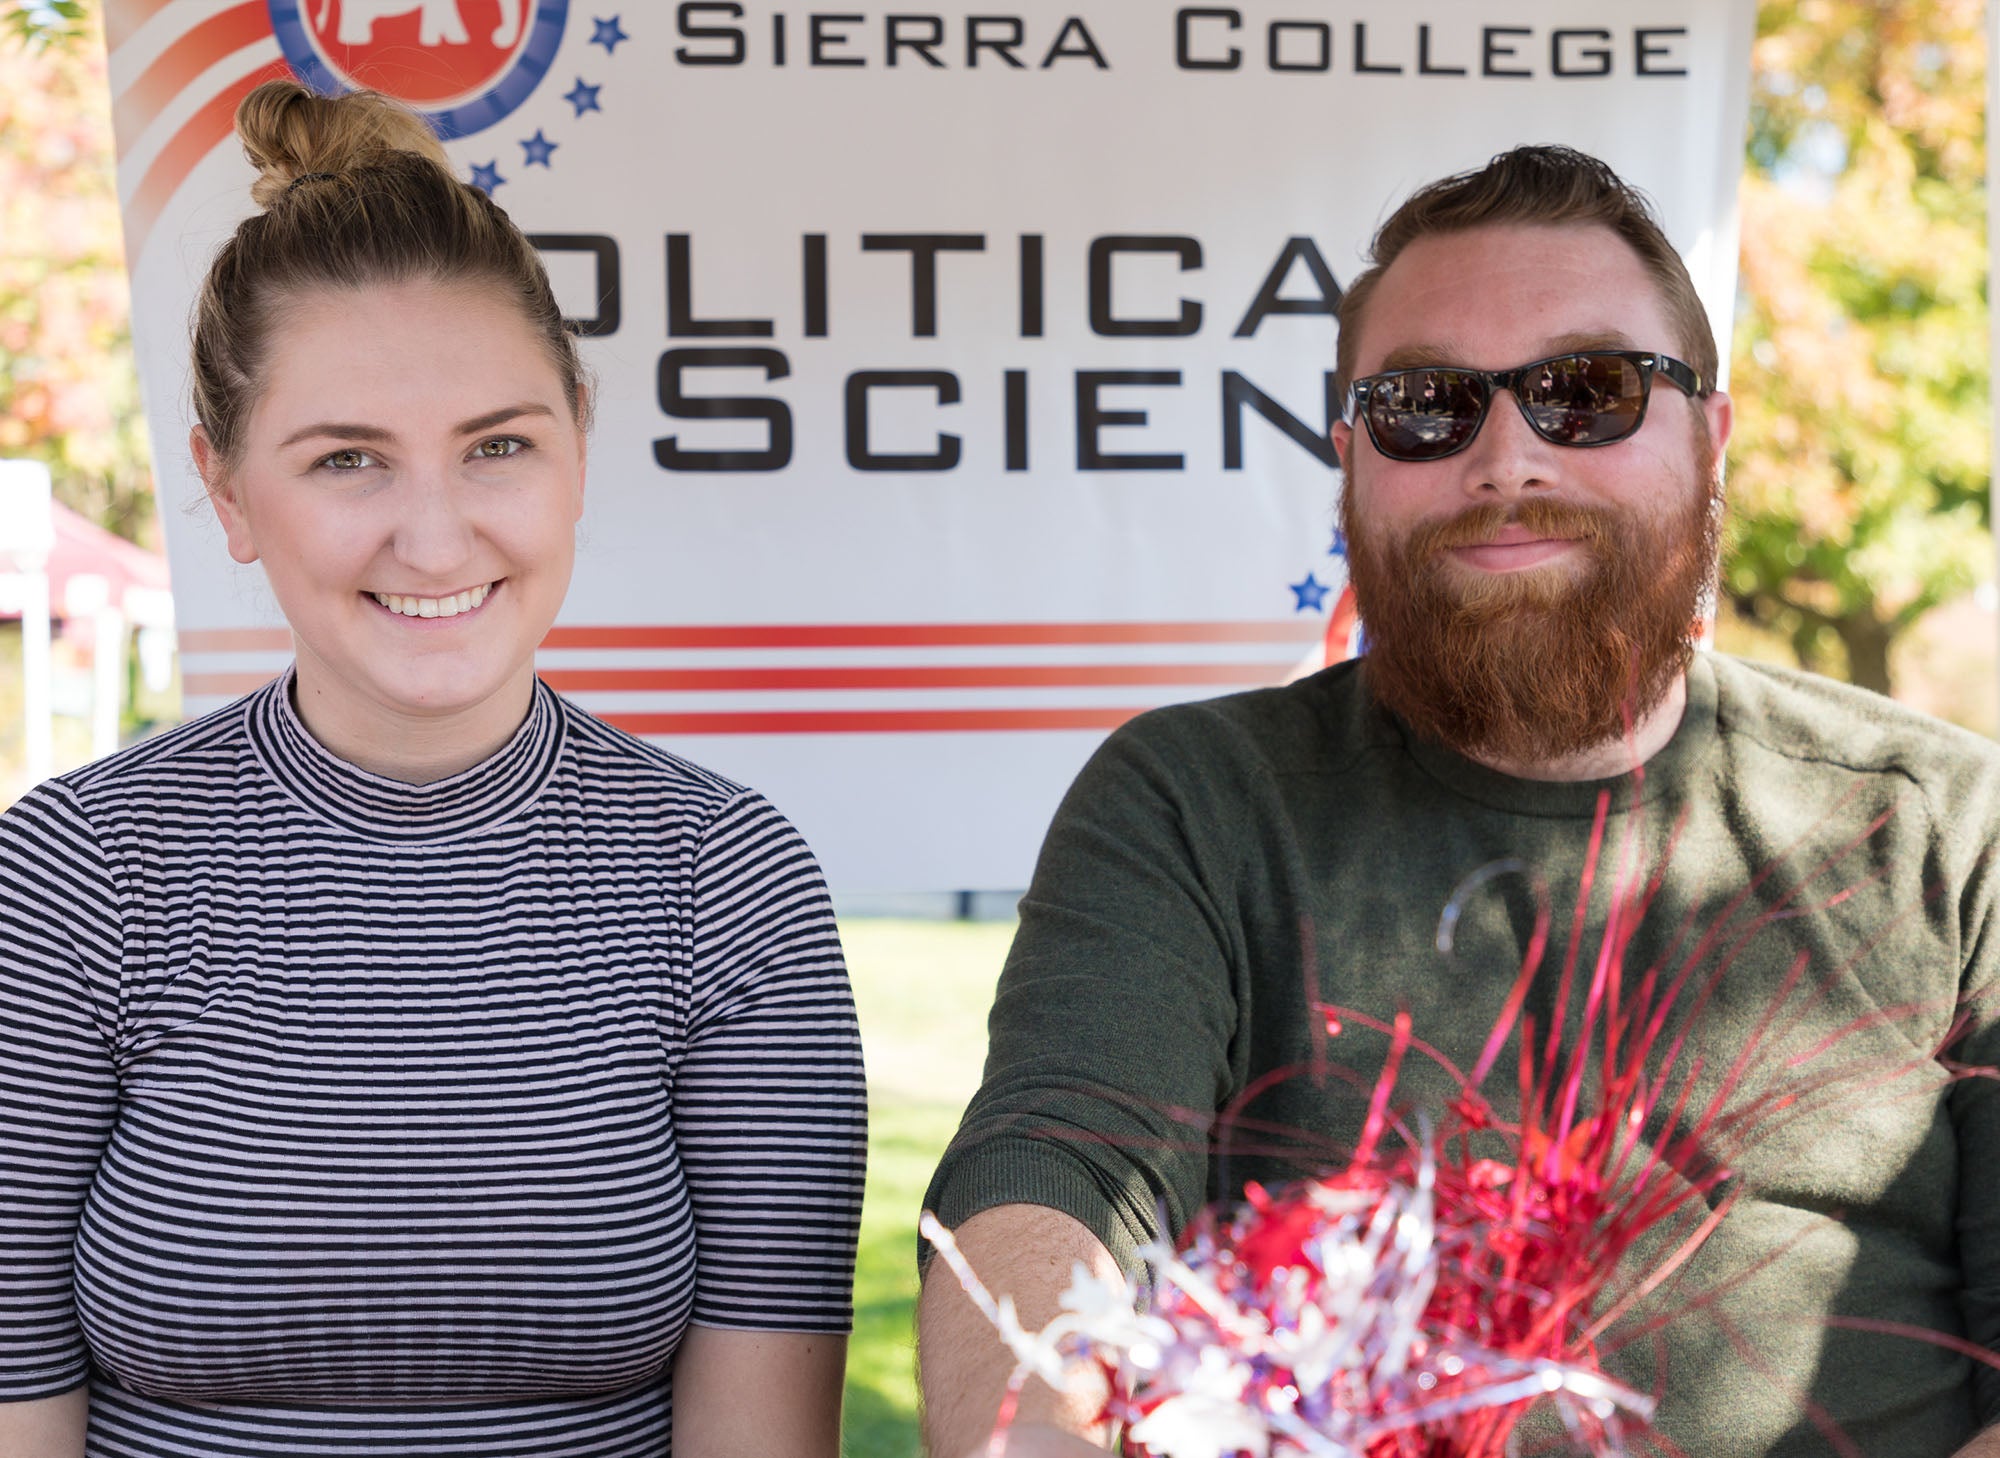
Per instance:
{"type": "Point", "coordinates": [1507, 458]}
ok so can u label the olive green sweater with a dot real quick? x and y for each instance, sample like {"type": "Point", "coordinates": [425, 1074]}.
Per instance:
{"type": "Point", "coordinates": [1219, 867]}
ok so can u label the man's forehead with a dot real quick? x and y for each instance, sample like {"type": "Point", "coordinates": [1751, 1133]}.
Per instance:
{"type": "Point", "coordinates": [1448, 350]}
{"type": "Point", "coordinates": [1500, 295]}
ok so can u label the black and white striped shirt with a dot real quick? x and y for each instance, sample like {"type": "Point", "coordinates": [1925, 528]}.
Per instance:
{"type": "Point", "coordinates": [339, 1115]}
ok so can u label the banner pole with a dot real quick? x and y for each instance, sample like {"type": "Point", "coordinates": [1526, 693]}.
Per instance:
{"type": "Point", "coordinates": [27, 537]}
{"type": "Point", "coordinates": [37, 697]}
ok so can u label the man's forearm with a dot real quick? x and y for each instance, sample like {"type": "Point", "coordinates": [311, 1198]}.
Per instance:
{"type": "Point", "coordinates": [1022, 1251]}
{"type": "Point", "coordinates": [1986, 1445]}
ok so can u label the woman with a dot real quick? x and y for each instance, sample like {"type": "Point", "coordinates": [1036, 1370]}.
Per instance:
{"type": "Point", "coordinates": [400, 1060]}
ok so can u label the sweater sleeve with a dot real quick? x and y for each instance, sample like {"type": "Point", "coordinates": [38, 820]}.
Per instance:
{"type": "Point", "coordinates": [59, 941]}
{"type": "Point", "coordinates": [1111, 1035]}
{"type": "Point", "coordinates": [1975, 1101]}
{"type": "Point", "coordinates": [770, 1104]}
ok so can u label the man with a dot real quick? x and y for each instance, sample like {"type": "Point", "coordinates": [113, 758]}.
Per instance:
{"type": "Point", "coordinates": [1532, 462]}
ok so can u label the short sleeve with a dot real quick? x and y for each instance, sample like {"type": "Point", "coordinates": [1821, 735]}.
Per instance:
{"type": "Point", "coordinates": [59, 940]}
{"type": "Point", "coordinates": [770, 1101]}
{"type": "Point", "coordinates": [1112, 1027]}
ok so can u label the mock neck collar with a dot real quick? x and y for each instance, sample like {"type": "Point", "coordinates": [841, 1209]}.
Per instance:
{"type": "Point", "coordinates": [375, 807]}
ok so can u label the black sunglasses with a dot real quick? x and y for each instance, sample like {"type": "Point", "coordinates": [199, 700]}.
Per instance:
{"type": "Point", "coordinates": [1591, 398]}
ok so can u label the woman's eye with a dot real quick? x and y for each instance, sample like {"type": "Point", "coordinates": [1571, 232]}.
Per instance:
{"type": "Point", "coordinates": [347, 460]}
{"type": "Point", "coordinates": [499, 448]}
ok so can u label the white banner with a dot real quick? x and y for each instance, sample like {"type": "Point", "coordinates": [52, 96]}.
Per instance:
{"type": "Point", "coordinates": [965, 369]}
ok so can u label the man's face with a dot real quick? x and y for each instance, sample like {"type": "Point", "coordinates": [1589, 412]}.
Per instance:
{"type": "Point", "coordinates": [1522, 597]}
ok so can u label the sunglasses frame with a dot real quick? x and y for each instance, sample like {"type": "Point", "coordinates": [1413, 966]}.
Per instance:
{"type": "Point", "coordinates": [1648, 362]}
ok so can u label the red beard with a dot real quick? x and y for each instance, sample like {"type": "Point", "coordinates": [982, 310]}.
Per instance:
{"type": "Point", "coordinates": [1526, 667]}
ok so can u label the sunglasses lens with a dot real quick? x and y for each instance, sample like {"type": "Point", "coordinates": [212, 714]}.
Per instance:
{"type": "Point", "coordinates": [1419, 415]}
{"type": "Point", "coordinates": [1585, 399]}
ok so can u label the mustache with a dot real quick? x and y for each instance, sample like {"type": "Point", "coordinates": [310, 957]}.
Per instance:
{"type": "Point", "coordinates": [1478, 525]}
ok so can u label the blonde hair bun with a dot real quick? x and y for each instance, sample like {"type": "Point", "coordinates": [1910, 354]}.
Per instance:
{"type": "Point", "coordinates": [380, 204]}
{"type": "Point", "coordinates": [289, 131]}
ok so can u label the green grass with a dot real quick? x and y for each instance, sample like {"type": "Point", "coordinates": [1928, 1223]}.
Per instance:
{"type": "Point", "coordinates": [922, 989]}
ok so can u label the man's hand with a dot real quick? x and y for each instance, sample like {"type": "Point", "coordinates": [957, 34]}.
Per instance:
{"type": "Point", "coordinates": [1027, 1252]}
{"type": "Point", "coordinates": [1039, 1440]}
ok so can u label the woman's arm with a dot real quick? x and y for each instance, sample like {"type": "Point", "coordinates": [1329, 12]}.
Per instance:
{"type": "Point", "coordinates": [48, 1427]}
{"type": "Point", "coordinates": [60, 946]}
{"type": "Point", "coordinates": [750, 1394]}
{"type": "Point", "coordinates": [771, 1119]}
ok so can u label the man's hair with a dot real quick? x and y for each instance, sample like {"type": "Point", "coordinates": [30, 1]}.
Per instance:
{"type": "Point", "coordinates": [1553, 186]}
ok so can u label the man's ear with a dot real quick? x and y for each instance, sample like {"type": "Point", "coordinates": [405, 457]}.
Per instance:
{"type": "Point", "coordinates": [1721, 416]}
{"type": "Point", "coordinates": [1342, 435]}
{"type": "Point", "coordinates": [222, 495]}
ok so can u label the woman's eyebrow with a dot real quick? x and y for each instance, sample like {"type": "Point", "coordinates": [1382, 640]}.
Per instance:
{"type": "Point", "coordinates": [338, 428]}
{"type": "Point", "coordinates": [500, 417]}
{"type": "Point", "coordinates": [376, 435]}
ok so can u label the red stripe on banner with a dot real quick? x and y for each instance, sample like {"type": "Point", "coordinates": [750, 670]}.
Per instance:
{"type": "Point", "coordinates": [755, 680]}
{"type": "Point", "coordinates": [1050, 675]}
{"type": "Point", "coordinates": [124, 17]}
{"type": "Point", "coordinates": [203, 132]}
{"type": "Point", "coordinates": [223, 685]}
{"type": "Point", "coordinates": [235, 640]}
{"type": "Point", "coordinates": [839, 635]}
{"type": "Point", "coordinates": [181, 62]}
{"type": "Point", "coordinates": [872, 721]}
{"type": "Point", "coordinates": [926, 635]}
{"type": "Point", "coordinates": [782, 721]}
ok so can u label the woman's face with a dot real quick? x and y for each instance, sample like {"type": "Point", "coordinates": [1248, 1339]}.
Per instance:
{"type": "Point", "coordinates": [411, 479]}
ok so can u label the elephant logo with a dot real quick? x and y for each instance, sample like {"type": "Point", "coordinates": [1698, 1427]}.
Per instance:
{"type": "Point", "coordinates": [439, 22]}
{"type": "Point", "coordinates": [464, 63]}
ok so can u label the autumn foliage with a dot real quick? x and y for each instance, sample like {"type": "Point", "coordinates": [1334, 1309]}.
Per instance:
{"type": "Point", "coordinates": [1858, 473]}
{"type": "Point", "coordinates": [68, 389]}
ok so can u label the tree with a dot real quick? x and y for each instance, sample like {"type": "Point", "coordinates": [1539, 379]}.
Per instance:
{"type": "Point", "coordinates": [1858, 477]}
{"type": "Point", "coordinates": [39, 22]}
{"type": "Point", "coordinates": [69, 392]}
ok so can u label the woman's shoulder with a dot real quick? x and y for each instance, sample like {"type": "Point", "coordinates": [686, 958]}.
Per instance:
{"type": "Point", "coordinates": [614, 767]}
{"type": "Point", "coordinates": [82, 818]}
{"type": "Point", "coordinates": [610, 757]}
{"type": "Point", "coordinates": [187, 758]}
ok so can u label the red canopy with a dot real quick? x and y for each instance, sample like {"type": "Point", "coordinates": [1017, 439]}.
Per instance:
{"type": "Point", "coordinates": [83, 548]}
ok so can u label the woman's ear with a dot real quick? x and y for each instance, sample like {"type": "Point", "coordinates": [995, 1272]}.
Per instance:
{"type": "Point", "coordinates": [583, 405]}
{"type": "Point", "coordinates": [222, 495]}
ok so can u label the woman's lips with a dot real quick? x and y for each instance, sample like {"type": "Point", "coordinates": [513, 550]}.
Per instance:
{"type": "Point", "coordinates": [446, 608]}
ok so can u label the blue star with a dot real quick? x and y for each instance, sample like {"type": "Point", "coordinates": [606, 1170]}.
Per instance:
{"type": "Point", "coordinates": [488, 177]}
{"type": "Point", "coordinates": [582, 97]}
{"type": "Point", "coordinates": [607, 34]}
{"type": "Point", "coordinates": [1339, 547]}
{"type": "Point", "coordinates": [1311, 594]}
{"type": "Point", "coordinates": [539, 149]}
